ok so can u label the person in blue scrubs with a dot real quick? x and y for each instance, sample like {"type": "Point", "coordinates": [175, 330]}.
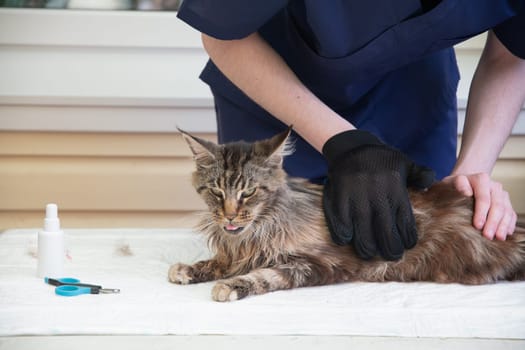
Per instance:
{"type": "Point", "coordinates": [370, 89]}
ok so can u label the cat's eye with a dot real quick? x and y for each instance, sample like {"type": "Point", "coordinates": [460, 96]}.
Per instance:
{"type": "Point", "coordinates": [248, 192]}
{"type": "Point", "coordinates": [216, 192]}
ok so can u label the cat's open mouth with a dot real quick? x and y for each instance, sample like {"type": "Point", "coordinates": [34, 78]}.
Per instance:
{"type": "Point", "coordinates": [233, 229]}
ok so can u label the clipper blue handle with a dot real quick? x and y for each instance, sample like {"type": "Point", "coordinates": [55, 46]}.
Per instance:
{"type": "Point", "coordinates": [71, 291]}
{"type": "Point", "coordinates": [69, 287]}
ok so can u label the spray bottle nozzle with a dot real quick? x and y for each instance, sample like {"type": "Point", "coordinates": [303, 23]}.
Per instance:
{"type": "Point", "coordinates": [51, 222]}
{"type": "Point", "coordinates": [51, 211]}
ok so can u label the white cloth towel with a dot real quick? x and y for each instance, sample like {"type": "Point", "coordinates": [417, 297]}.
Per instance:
{"type": "Point", "coordinates": [137, 261]}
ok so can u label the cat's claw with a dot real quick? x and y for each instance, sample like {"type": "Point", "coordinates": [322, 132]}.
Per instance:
{"type": "Point", "coordinates": [180, 274]}
{"type": "Point", "coordinates": [223, 292]}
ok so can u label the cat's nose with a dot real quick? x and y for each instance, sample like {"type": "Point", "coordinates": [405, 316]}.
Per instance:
{"type": "Point", "coordinates": [230, 217]}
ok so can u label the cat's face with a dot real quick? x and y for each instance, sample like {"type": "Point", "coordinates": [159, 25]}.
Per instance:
{"type": "Point", "coordinates": [238, 180]}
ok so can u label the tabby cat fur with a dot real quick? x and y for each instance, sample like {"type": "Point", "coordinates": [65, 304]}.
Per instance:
{"type": "Point", "coordinates": [267, 231]}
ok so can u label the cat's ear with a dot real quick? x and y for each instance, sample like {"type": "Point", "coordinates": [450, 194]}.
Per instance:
{"type": "Point", "coordinates": [277, 147]}
{"type": "Point", "coordinates": [202, 149]}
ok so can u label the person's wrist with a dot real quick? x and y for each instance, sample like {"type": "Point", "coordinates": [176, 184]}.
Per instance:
{"type": "Point", "coordinates": [346, 141]}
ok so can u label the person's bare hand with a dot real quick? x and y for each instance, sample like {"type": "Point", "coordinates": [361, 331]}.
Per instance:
{"type": "Point", "coordinates": [493, 211]}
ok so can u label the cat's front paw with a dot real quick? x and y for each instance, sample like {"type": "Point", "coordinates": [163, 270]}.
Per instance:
{"type": "Point", "coordinates": [223, 292]}
{"type": "Point", "coordinates": [230, 290]}
{"type": "Point", "coordinates": [180, 274]}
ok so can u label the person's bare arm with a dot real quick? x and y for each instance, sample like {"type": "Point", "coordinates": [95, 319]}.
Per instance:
{"type": "Point", "coordinates": [496, 96]}
{"type": "Point", "coordinates": [255, 68]}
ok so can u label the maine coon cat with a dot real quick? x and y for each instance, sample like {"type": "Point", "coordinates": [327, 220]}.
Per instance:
{"type": "Point", "coordinates": [268, 232]}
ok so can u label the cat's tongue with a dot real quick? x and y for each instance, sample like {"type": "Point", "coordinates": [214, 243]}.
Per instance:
{"type": "Point", "coordinates": [231, 227]}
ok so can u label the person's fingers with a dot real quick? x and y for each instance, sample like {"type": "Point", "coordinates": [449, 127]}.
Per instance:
{"type": "Point", "coordinates": [507, 223]}
{"type": "Point", "coordinates": [493, 211]}
{"type": "Point", "coordinates": [387, 233]}
{"type": "Point", "coordinates": [461, 183]}
{"type": "Point", "coordinates": [514, 222]}
{"type": "Point", "coordinates": [364, 241]}
{"type": "Point", "coordinates": [406, 225]}
{"type": "Point", "coordinates": [496, 211]}
{"type": "Point", "coordinates": [338, 216]}
{"type": "Point", "coordinates": [501, 218]}
{"type": "Point", "coordinates": [481, 186]}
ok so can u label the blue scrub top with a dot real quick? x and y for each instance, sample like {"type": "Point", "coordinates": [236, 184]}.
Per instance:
{"type": "Point", "coordinates": [386, 66]}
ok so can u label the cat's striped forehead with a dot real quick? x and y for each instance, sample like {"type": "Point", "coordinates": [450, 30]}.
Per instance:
{"type": "Point", "coordinates": [235, 156]}
{"type": "Point", "coordinates": [238, 165]}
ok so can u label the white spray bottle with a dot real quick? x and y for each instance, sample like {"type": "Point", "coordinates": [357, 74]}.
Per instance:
{"type": "Point", "coordinates": [51, 245]}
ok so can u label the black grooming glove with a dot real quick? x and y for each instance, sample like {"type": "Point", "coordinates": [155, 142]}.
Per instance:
{"type": "Point", "coordinates": [365, 198]}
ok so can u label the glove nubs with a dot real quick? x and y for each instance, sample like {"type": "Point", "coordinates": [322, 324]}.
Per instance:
{"type": "Point", "coordinates": [365, 198]}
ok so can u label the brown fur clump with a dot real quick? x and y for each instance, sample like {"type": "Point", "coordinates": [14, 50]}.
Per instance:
{"type": "Point", "coordinates": [268, 231]}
